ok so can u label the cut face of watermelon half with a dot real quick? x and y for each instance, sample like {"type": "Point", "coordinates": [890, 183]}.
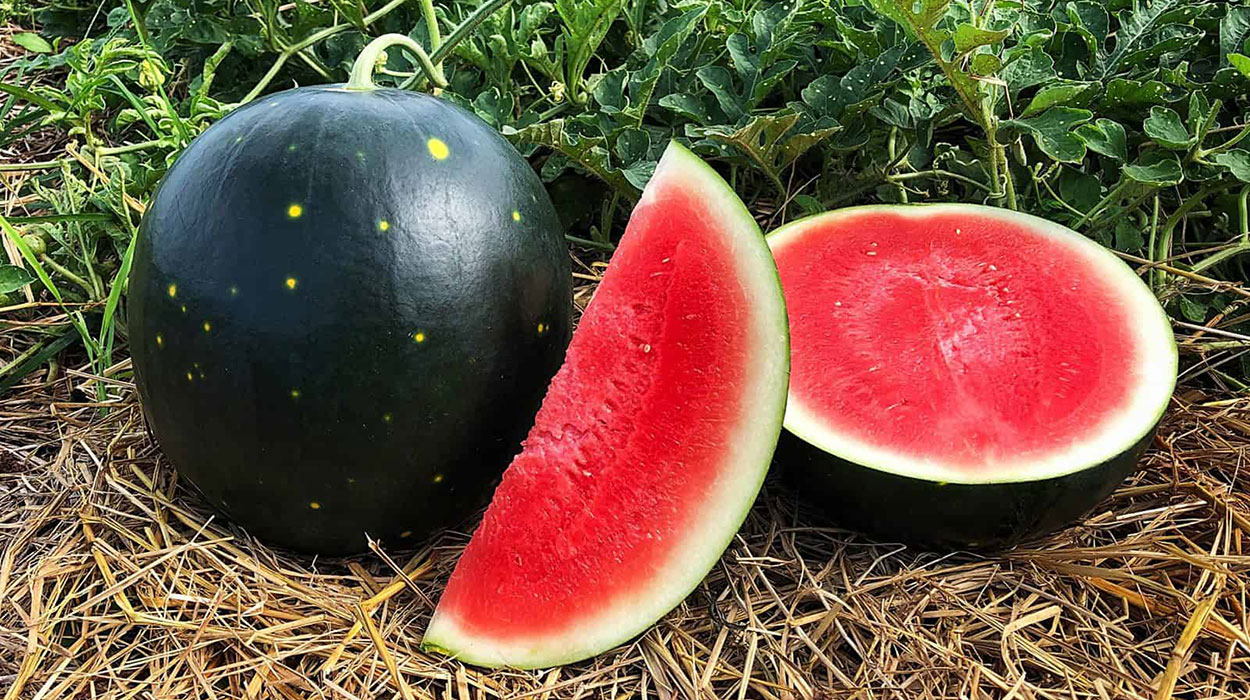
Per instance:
{"type": "Point", "coordinates": [965, 375]}
{"type": "Point", "coordinates": [650, 446]}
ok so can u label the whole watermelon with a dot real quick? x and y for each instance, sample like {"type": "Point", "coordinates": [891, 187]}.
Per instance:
{"type": "Point", "coordinates": [344, 309]}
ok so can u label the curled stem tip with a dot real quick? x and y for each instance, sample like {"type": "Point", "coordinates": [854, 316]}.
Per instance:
{"type": "Point", "coordinates": [362, 70]}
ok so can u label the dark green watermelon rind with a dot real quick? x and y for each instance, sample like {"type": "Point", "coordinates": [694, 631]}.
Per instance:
{"type": "Point", "coordinates": [688, 565]}
{"type": "Point", "coordinates": [948, 516]}
{"type": "Point", "coordinates": [388, 290]}
{"type": "Point", "coordinates": [981, 511]}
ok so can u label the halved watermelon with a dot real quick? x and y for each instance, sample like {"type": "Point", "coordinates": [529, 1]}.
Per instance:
{"type": "Point", "coordinates": [964, 375]}
{"type": "Point", "coordinates": [649, 448]}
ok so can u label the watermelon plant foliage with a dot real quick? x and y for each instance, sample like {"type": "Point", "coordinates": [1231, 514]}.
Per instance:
{"type": "Point", "coordinates": [1125, 119]}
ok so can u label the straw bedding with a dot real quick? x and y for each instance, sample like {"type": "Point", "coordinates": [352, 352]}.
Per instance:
{"type": "Point", "coordinates": [117, 581]}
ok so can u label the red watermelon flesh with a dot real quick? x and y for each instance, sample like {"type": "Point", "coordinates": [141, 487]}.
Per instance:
{"type": "Point", "coordinates": [966, 344]}
{"type": "Point", "coordinates": [649, 448]}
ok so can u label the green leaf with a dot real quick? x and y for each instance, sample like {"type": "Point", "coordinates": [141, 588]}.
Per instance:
{"type": "Point", "coordinates": [1200, 116]}
{"type": "Point", "coordinates": [1123, 93]}
{"type": "Point", "coordinates": [969, 37]}
{"type": "Point", "coordinates": [1166, 128]}
{"type": "Point", "coordinates": [1157, 168]}
{"type": "Point", "coordinates": [1052, 131]}
{"type": "Point", "coordinates": [1241, 63]}
{"type": "Point", "coordinates": [691, 107]}
{"type": "Point", "coordinates": [829, 95]}
{"type": "Point", "coordinates": [1032, 68]}
{"type": "Point", "coordinates": [1234, 30]}
{"type": "Point", "coordinates": [767, 141]}
{"type": "Point", "coordinates": [1128, 237]}
{"type": "Point", "coordinates": [1106, 137]}
{"type": "Point", "coordinates": [920, 19]}
{"type": "Point", "coordinates": [1058, 95]}
{"type": "Point", "coordinates": [32, 42]}
{"type": "Point", "coordinates": [13, 278]}
{"type": "Point", "coordinates": [660, 48]}
{"type": "Point", "coordinates": [1193, 311]}
{"type": "Point", "coordinates": [719, 82]}
{"type": "Point", "coordinates": [588, 152]}
{"type": "Point", "coordinates": [1237, 161]}
{"type": "Point", "coordinates": [985, 64]}
{"type": "Point", "coordinates": [1137, 25]}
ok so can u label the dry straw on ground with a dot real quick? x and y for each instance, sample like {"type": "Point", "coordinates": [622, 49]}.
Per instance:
{"type": "Point", "coordinates": [116, 581]}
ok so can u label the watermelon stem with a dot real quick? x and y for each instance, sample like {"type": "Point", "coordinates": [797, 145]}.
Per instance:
{"type": "Point", "coordinates": [362, 70]}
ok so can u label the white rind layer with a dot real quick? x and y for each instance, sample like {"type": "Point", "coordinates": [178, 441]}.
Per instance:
{"type": "Point", "coordinates": [730, 497]}
{"type": "Point", "coordinates": [1154, 375]}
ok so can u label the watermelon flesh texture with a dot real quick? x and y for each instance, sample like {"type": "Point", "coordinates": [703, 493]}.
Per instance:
{"type": "Point", "coordinates": [650, 446]}
{"type": "Point", "coordinates": [951, 348]}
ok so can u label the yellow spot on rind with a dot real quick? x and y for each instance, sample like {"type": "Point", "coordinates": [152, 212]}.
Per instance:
{"type": "Point", "coordinates": [295, 211]}
{"type": "Point", "coordinates": [438, 149]}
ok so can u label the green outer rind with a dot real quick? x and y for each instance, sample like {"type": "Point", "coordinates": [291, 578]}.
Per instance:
{"type": "Point", "coordinates": [441, 637]}
{"type": "Point", "coordinates": [311, 414]}
{"type": "Point", "coordinates": [932, 515]}
{"type": "Point", "coordinates": [928, 513]}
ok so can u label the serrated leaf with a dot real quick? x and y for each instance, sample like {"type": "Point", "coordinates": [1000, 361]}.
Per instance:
{"type": "Point", "coordinates": [766, 140]}
{"type": "Point", "coordinates": [1106, 137]}
{"type": "Point", "coordinates": [719, 82]}
{"type": "Point", "coordinates": [32, 42]}
{"type": "Point", "coordinates": [920, 19]}
{"type": "Point", "coordinates": [689, 106]}
{"type": "Point", "coordinates": [1241, 63]}
{"type": "Point", "coordinates": [1234, 30]}
{"type": "Point", "coordinates": [1237, 161]}
{"type": "Point", "coordinates": [985, 64]}
{"type": "Point", "coordinates": [1199, 118]}
{"type": "Point", "coordinates": [1157, 168]}
{"type": "Point", "coordinates": [1193, 311]}
{"type": "Point", "coordinates": [13, 278]}
{"type": "Point", "coordinates": [1166, 128]}
{"type": "Point", "coordinates": [1052, 131]}
{"type": "Point", "coordinates": [1090, 17]}
{"type": "Point", "coordinates": [1137, 24]}
{"type": "Point", "coordinates": [829, 95]}
{"type": "Point", "coordinates": [969, 37]}
{"type": "Point", "coordinates": [588, 152]}
{"type": "Point", "coordinates": [1123, 93]}
{"type": "Point", "coordinates": [1032, 68]}
{"type": "Point", "coordinates": [1128, 237]}
{"type": "Point", "coordinates": [1058, 95]}
{"type": "Point", "coordinates": [660, 48]}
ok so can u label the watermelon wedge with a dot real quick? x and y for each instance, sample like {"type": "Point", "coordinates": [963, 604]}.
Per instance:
{"type": "Point", "coordinates": [650, 446]}
{"type": "Point", "coordinates": [964, 376]}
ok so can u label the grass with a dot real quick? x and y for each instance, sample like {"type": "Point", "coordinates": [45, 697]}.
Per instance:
{"type": "Point", "coordinates": [115, 579]}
